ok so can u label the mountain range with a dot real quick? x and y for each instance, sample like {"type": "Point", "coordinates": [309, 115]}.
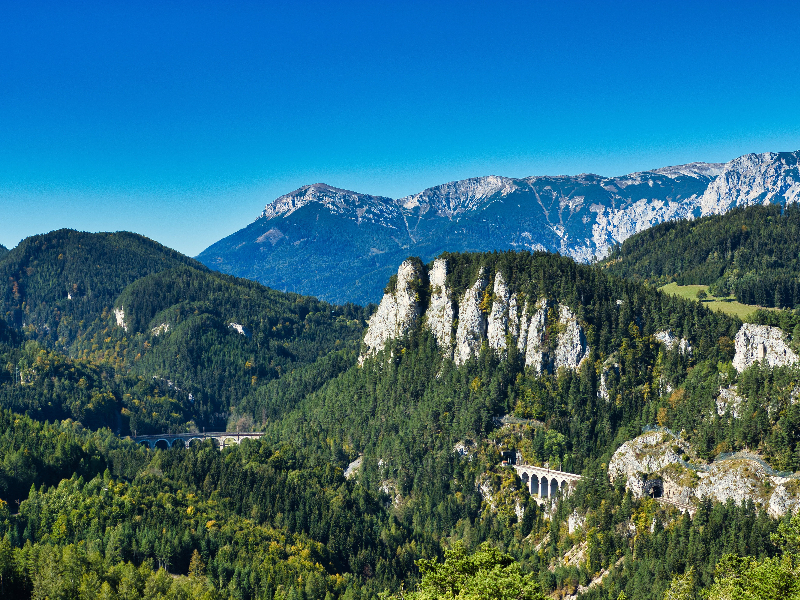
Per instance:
{"type": "Point", "coordinates": [342, 246]}
{"type": "Point", "coordinates": [384, 429]}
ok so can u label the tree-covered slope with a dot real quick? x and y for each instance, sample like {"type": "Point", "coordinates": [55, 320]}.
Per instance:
{"type": "Point", "coordinates": [51, 282]}
{"type": "Point", "coordinates": [409, 406]}
{"type": "Point", "coordinates": [3, 250]}
{"type": "Point", "coordinates": [149, 340]}
{"type": "Point", "coordinates": [752, 253]}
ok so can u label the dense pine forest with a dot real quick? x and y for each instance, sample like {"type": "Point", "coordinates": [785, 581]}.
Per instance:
{"type": "Point", "coordinates": [751, 253]}
{"type": "Point", "coordinates": [105, 335]}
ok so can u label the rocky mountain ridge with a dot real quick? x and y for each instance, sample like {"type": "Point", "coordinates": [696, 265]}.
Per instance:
{"type": "Point", "coordinates": [341, 245]}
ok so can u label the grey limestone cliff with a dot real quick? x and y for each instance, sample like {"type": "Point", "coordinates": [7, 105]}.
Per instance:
{"type": "Point", "coordinates": [755, 343]}
{"type": "Point", "coordinates": [571, 348]}
{"type": "Point", "coordinates": [441, 312]}
{"type": "Point", "coordinates": [472, 323]}
{"type": "Point", "coordinates": [655, 456]}
{"type": "Point", "coordinates": [528, 329]}
{"type": "Point", "coordinates": [398, 312]}
{"type": "Point", "coordinates": [536, 354]}
{"type": "Point", "coordinates": [502, 319]}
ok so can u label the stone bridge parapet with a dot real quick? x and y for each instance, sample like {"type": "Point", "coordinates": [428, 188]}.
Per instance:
{"type": "Point", "coordinates": [546, 483]}
{"type": "Point", "coordinates": [167, 440]}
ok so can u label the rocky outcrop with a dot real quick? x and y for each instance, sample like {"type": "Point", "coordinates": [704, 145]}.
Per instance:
{"type": "Point", "coordinates": [644, 455]}
{"type": "Point", "coordinates": [530, 329]}
{"type": "Point", "coordinates": [163, 328]}
{"type": "Point", "coordinates": [240, 329]}
{"type": "Point", "coordinates": [755, 343]}
{"type": "Point", "coordinates": [785, 498]}
{"type": "Point", "coordinates": [499, 318]}
{"type": "Point", "coordinates": [398, 312]}
{"type": "Point", "coordinates": [119, 315]}
{"type": "Point", "coordinates": [654, 457]}
{"type": "Point", "coordinates": [441, 312]}
{"type": "Point", "coordinates": [671, 341]}
{"type": "Point", "coordinates": [610, 367]}
{"type": "Point", "coordinates": [536, 355]}
{"type": "Point", "coordinates": [471, 322]}
{"type": "Point", "coordinates": [571, 348]}
{"type": "Point", "coordinates": [729, 400]}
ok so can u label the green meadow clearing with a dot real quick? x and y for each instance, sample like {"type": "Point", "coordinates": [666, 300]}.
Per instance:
{"type": "Point", "coordinates": [727, 305]}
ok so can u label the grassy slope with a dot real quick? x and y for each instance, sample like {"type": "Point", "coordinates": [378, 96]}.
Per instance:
{"type": "Point", "coordinates": [728, 305]}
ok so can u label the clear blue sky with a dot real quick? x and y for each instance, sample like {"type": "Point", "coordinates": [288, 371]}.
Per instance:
{"type": "Point", "coordinates": [180, 120]}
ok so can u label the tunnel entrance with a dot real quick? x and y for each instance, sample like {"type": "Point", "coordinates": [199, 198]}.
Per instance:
{"type": "Point", "coordinates": [653, 488]}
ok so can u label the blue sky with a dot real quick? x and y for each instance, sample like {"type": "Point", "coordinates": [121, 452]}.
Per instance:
{"type": "Point", "coordinates": [180, 120]}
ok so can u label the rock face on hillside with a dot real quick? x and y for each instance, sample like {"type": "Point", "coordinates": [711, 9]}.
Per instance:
{"type": "Point", "coordinates": [755, 343]}
{"type": "Point", "coordinates": [533, 342]}
{"type": "Point", "coordinates": [729, 400]}
{"type": "Point", "coordinates": [547, 342]}
{"type": "Point", "coordinates": [503, 317]}
{"type": "Point", "coordinates": [649, 453]}
{"type": "Point", "coordinates": [753, 179]}
{"type": "Point", "coordinates": [441, 311]}
{"type": "Point", "coordinates": [398, 311]}
{"type": "Point", "coordinates": [653, 458]}
{"type": "Point", "coordinates": [667, 338]}
{"type": "Point", "coordinates": [471, 322]}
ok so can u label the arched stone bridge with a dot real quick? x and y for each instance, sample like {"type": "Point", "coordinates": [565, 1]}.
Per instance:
{"type": "Point", "coordinates": [546, 483]}
{"type": "Point", "coordinates": [164, 440]}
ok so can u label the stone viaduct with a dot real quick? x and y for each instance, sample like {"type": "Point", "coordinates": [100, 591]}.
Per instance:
{"type": "Point", "coordinates": [546, 483]}
{"type": "Point", "coordinates": [164, 440]}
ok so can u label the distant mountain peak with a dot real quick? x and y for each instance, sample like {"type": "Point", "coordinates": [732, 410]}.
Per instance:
{"type": "Point", "coordinates": [335, 199]}
{"type": "Point", "coordinates": [341, 245]}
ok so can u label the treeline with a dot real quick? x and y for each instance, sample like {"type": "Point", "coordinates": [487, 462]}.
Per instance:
{"type": "Point", "coordinates": [752, 253]}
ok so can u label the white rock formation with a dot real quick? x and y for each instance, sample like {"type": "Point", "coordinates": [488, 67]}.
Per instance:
{"type": "Point", "coordinates": [571, 348]}
{"type": "Point", "coordinates": [397, 313]}
{"type": "Point", "coordinates": [119, 314]}
{"type": "Point", "coordinates": [471, 322]}
{"type": "Point", "coordinates": [499, 318]}
{"type": "Point", "coordinates": [441, 312]}
{"type": "Point", "coordinates": [755, 343]}
{"type": "Point", "coordinates": [753, 179]}
{"type": "Point", "coordinates": [535, 349]}
{"type": "Point", "coordinates": [648, 453]}
{"type": "Point", "coordinates": [737, 479]}
{"type": "Point", "coordinates": [353, 468]}
{"type": "Point", "coordinates": [667, 338]}
{"type": "Point", "coordinates": [785, 498]}
{"type": "Point", "coordinates": [608, 367]}
{"type": "Point", "coordinates": [241, 329]}
{"type": "Point", "coordinates": [729, 400]}
{"type": "Point", "coordinates": [163, 328]}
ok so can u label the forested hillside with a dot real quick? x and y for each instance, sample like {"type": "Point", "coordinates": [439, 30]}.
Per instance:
{"type": "Point", "coordinates": [751, 253]}
{"type": "Point", "coordinates": [122, 332]}
{"type": "Point", "coordinates": [51, 283]}
{"type": "Point", "coordinates": [87, 513]}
